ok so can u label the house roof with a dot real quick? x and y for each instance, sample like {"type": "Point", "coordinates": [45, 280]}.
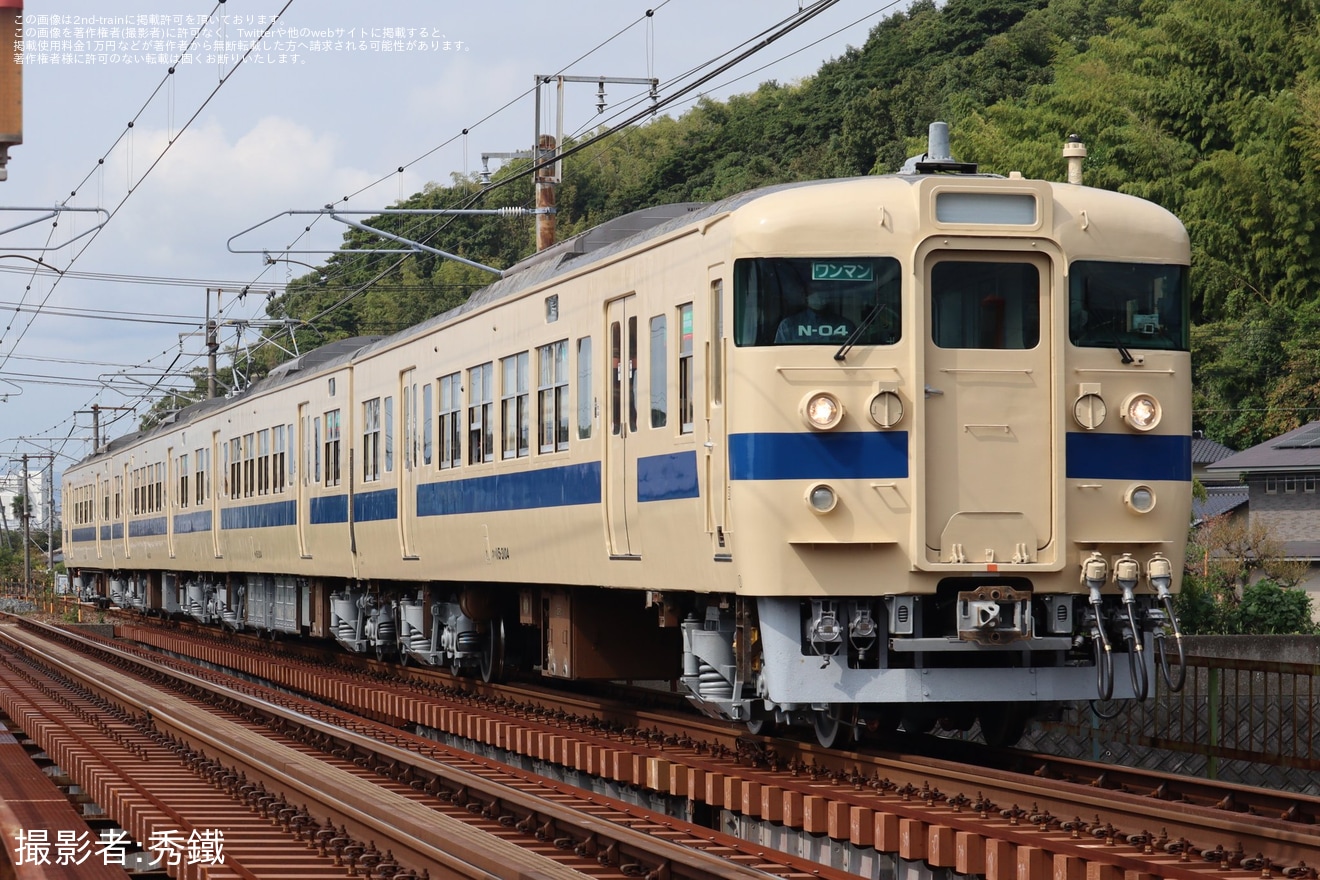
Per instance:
{"type": "Point", "coordinates": [1206, 451]}
{"type": "Point", "coordinates": [1219, 501]}
{"type": "Point", "coordinates": [1297, 450]}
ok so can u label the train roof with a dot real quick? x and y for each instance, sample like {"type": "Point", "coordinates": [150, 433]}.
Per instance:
{"type": "Point", "coordinates": [596, 244]}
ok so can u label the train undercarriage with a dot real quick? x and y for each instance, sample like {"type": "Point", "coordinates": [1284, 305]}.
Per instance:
{"type": "Point", "coordinates": [985, 651]}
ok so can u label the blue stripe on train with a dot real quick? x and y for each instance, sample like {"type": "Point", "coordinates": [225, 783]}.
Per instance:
{"type": "Point", "coordinates": [147, 528]}
{"type": "Point", "coordinates": [329, 509]}
{"type": "Point", "coordinates": [667, 477]}
{"type": "Point", "coordinates": [259, 516]}
{"type": "Point", "coordinates": [554, 487]}
{"type": "Point", "coordinates": [847, 455]}
{"type": "Point", "coordinates": [1129, 457]}
{"type": "Point", "coordinates": [377, 505]}
{"type": "Point", "coordinates": [192, 523]}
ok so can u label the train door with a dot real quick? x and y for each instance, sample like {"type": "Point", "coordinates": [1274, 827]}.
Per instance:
{"type": "Point", "coordinates": [621, 340]}
{"type": "Point", "coordinates": [102, 512]}
{"type": "Point", "coordinates": [127, 506]}
{"type": "Point", "coordinates": [303, 509]}
{"type": "Point", "coordinates": [717, 433]}
{"type": "Point", "coordinates": [988, 459]}
{"type": "Point", "coordinates": [171, 498]}
{"type": "Point", "coordinates": [408, 474]}
{"type": "Point", "coordinates": [214, 483]}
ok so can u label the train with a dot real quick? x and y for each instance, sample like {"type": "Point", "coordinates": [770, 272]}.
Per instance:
{"type": "Point", "coordinates": [894, 451]}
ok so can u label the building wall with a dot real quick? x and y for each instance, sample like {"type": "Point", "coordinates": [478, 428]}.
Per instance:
{"type": "Point", "coordinates": [11, 486]}
{"type": "Point", "coordinates": [1291, 511]}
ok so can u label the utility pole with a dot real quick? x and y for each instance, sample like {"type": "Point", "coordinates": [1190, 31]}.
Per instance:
{"type": "Point", "coordinates": [96, 422]}
{"type": "Point", "coordinates": [27, 531]}
{"type": "Point", "coordinates": [546, 147]}
{"type": "Point", "coordinates": [212, 342]}
{"type": "Point", "coordinates": [27, 520]}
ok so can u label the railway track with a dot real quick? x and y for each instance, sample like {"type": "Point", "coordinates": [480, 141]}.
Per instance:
{"type": "Point", "coordinates": [392, 800]}
{"type": "Point", "coordinates": [1196, 823]}
{"type": "Point", "coordinates": [916, 807]}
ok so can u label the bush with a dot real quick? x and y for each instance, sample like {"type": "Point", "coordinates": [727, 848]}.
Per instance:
{"type": "Point", "coordinates": [1267, 608]}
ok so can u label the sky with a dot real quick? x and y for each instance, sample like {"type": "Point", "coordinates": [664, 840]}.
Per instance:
{"type": "Point", "coordinates": [333, 100]}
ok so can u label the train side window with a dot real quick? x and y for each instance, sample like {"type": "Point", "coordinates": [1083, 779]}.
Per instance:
{"type": "Point", "coordinates": [552, 396]}
{"type": "Point", "coordinates": [371, 440]}
{"type": "Point", "coordinates": [717, 341]}
{"type": "Point", "coordinates": [451, 421]}
{"type": "Point", "coordinates": [481, 416]}
{"type": "Point", "coordinates": [632, 373]}
{"type": "Point", "coordinates": [199, 476]}
{"type": "Point", "coordinates": [515, 401]}
{"type": "Point", "coordinates": [686, 384]}
{"type": "Point", "coordinates": [616, 378]}
{"type": "Point", "coordinates": [316, 449]}
{"type": "Point", "coordinates": [119, 494]}
{"type": "Point", "coordinates": [428, 423]}
{"type": "Point", "coordinates": [389, 435]}
{"type": "Point", "coordinates": [277, 464]}
{"type": "Point", "coordinates": [659, 375]}
{"type": "Point", "coordinates": [263, 461]}
{"type": "Point", "coordinates": [985, 305]}
{"type": "Point", "coordinates": [234, 468]}
{"type": "Point", "coordinates": [249, 466]}
{"type": "Point", "coordinates": [584, 398]}
{"type": "Point", "coordinates": [332, 426]}
{"type": "Point", "coordinates": [182, 465]}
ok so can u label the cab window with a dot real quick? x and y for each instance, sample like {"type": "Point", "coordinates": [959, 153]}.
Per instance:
{"type": "Point", "coordinates": [816, 301]}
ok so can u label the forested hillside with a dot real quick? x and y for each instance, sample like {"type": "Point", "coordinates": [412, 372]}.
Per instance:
{"type": "Point", "coordinates": [1209, 107]}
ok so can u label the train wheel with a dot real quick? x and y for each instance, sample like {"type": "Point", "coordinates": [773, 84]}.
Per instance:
{"type": "Point", "coordinates": [831, 733]}
{"type": "Point", "coordinates": [404, 658]}
{"type": "Point", "coordinates": [1003, 726]}
{"type": "Point", "coordinates": [762, 723]}
{"type": "Point", "coordinates": [492, 652]}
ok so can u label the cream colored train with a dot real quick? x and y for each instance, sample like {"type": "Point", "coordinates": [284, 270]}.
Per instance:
{"type": "Point", "coordinates": [890, 450]}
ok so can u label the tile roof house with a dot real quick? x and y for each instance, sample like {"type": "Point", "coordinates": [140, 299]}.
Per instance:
{"type": "Point", "coordinates": [1225, 492]}
{"type": "Point", "coordinates": [1206, 452]}
{"type": "Point", "coordinates": [1282, 481]}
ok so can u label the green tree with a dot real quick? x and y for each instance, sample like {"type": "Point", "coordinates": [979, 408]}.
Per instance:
{"type": "Point", "coordinates": [1238, 581]}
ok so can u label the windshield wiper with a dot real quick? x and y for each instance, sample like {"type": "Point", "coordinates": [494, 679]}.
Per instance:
{"type": "Point", "coordinates": [861, 328]}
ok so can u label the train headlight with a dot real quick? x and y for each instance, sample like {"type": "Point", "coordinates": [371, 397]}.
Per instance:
{"type": "Point", "coordinates": [1139, 498]}
{"type": "Point", "coordinates": [821, 410]}
{"type": "Point", "coordinates": [1141, 411]}
{"type": "Point", "coordinates": [1090, 411]}
{"type": "Point", "coordinates": [886, 409]}
{"type": "Point", "coordinates": [821, 498]}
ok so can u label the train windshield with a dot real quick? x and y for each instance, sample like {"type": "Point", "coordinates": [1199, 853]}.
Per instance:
{"type": "Point", "coordinates": [816, 301]}
{"type": "Point", "coordinates": [1128, 305]}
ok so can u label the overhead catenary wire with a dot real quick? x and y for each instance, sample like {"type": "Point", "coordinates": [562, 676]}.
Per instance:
{"type": "Point", "coordinates": [379, 281]}
{"type": "Point", "coordinates": [133, 185]}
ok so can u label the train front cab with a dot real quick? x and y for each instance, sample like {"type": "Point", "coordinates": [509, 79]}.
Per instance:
{"type": "Point", "coordinates": [934, 533]}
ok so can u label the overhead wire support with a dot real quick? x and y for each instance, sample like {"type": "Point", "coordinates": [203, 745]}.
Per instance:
{"type": "Point", "coordinates": [411, 247]}
{"type": "Point", "coordinates": [48, 214]}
